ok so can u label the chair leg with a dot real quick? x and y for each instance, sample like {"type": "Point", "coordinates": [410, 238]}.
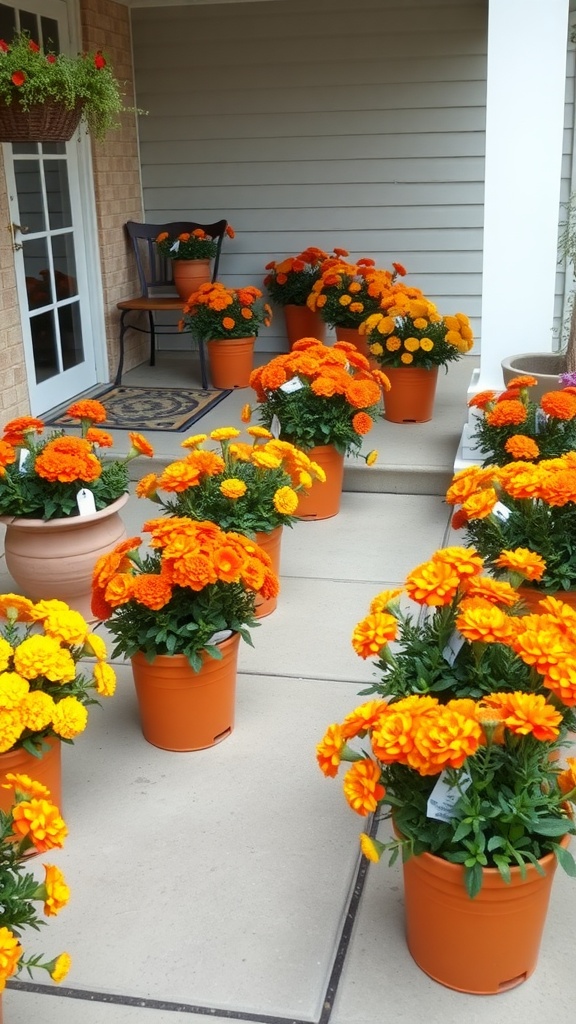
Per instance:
{"type": "Point", "coordinates": [123, 329]}
{"type": "Point", "coordinates": [203, 372]}
{"type": "Point", "coordinates": [152, 338]}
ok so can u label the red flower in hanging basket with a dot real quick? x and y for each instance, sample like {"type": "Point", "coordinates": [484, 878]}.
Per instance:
{"type": "Point", "coordinates": [18, 78]}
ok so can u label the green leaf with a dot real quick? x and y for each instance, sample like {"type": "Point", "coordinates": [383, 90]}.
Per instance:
{"type": "Point", "coordinates": [565, 859]}
{"type": "Point", "coordinates": [473, 879]}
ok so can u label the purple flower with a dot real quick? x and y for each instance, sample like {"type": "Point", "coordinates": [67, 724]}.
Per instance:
{"type": "Point", "coordinates": [568, 379]}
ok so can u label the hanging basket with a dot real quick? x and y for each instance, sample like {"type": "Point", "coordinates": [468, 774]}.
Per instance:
{"type": "Point", "coordinates": [44, 122]}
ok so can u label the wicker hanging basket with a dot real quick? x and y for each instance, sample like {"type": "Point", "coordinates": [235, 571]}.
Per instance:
{"type": "Point", "coordinates": [44, 122]}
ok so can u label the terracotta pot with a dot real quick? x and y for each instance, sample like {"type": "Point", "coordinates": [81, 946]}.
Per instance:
{"type": "Point", "coordinates": [302, 322]}
{"type": "Point", "coordinates": [532, 595]}
{"type": "Point", "coordinates": [483, 945]}
{"type": "Point", "coordinates": [412, 393]}
{"type": "Point", "coordinates": [46, 769]}
{"type": "Point", "coordinates": [322, 500]}
{"type": "Point", "coordinates": [271, 543]}
{"type": "Point", "coordinates": [55, 559]}
{"type": "Point", "coordinates": [188, 275]}
{"type": "Point", "coordinates": [231, 361]}
{"type": "Point", "coordinates": [185, 710]}
{"type": "Point", "coordinates": [353, 336]}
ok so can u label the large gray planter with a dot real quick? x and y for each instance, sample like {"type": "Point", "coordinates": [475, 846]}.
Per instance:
{"type": "Point", "coordinates": [545, 366]}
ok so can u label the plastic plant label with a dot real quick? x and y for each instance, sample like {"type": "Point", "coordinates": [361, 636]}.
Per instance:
{"type": "Point", "coordinates": [294, 384]}
{"type": "Point", "coordinates": [454, 644]}
{"type": "Point", "coordinates": [85, 502]}
{"type": "Point", "coordinates": [501, 511]}
{"type": "Point", "coordinates": [275, 428]}
{"type": "Point", "coordinates": [24, 453]}
{"type": "Point", "coordinates": [220, 636]}
{"type": "Point", "coordinates": [175, 248]}
{"type": "Point", "coordinates": [444, 797]}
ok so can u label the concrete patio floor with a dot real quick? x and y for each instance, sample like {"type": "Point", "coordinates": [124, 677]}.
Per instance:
{"type": "Point", "coordinates": [226, 883]}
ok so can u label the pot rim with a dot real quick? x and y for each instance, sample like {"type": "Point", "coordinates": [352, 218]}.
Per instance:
{"type": "Point", "coordinates": [170, 657]}
{"type": "Point", "coordinates": [24, 522]}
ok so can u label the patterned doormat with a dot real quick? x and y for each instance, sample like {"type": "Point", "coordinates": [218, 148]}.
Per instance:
{"type": "Point", "coordinates": [151, 408]}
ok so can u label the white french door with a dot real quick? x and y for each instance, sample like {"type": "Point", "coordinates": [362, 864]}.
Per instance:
{"type": "Point", "coordinates": [48, 236]}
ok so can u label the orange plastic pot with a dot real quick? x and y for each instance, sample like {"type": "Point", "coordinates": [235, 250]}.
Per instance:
{"type": "Point", "coordinates": [353, 336]}
{"type": "Point", "coordinates": [484, 945]}
{"type": "Point", "coordinates": [188, 275]}
{"type": "Point", "coordinates": [412, 393]}
{"type": "Point", "coordinates": [271, 543]}
{"type": "Point", "coordinates": [322, 500]}
{"type": "Point", "coordinates": [230, 362]}
{"type": "Point", "coordinates": [46, 769]}
{"type": "Point", "coordinates": [185, 710]}
{"type": "Point", "coordinates": [55, 559]}
{"type": "Point", "coordinates": [532, 595]}
{"type": "Point", "coordinates": [302, 322]}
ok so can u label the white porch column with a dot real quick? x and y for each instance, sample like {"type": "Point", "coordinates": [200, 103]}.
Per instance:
{"type": "Point", "coordinates": [527, 42]}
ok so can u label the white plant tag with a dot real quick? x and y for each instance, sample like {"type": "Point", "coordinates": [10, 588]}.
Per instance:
{"type": "Point", "coordinates": [220, 636]}
{"type": "Point", "coordinates": [294, 384]}
{"type": "Point", "coordinates": [501, 511]}
{"type": "Point", "coordinates": [176, 246]}
{"type": "Point", "coordinates": [24, 453]}
{"type": "Point", "coordinates": [85, 502]}
{"type": "Point", "coordinates": [275, 428]}
{"type": "Point", "coordinates": [454, 644]}
{"type": "Point", "coordinates": [444, 797]}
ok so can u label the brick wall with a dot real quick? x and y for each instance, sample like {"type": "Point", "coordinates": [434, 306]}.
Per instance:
{"type": "Point", "coordinates": [13, 390]}
{"type": "Point", "coordinates": [106, 25]}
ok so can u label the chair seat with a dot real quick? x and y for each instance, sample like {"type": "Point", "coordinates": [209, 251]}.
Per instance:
{"type": "Point", "coordinates": [157, 303]}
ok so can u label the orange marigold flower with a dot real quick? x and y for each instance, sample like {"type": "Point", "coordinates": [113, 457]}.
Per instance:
{"type": "Point", "coordinates": [87, 409]}
{"type": "Point", "coordinates": [527, 713]}
{"type": "Point", "coordinates": [561, 680]}
{"type": "Point", "coordinates": [521, 560]}
{"type": "Point", "coordinates": [567, 778]}
{"type": "Point", "coordinates": [524, 381]}
{"type": "Point", "coordinates": [39, 821]}
{"type": "Point", "coordinates": [233, 488]}
{"type": "Point", "coordinates": [400, 269]}
{"type": "Point", "coordinates": [480, 504]}
{"type": "Point", "coordinates": [433, 583]}
{"type": "Point", "coordinates": [329, 749]}
{"type": "Point", "coordinates": [10, 953]}
{"type": "Point", "coordinates": [443, 739]}
{"type": "Point", "coordinates": [480, 620]}
{"type": "Point", "coordinates": [362, 423]}
{"type": "Point", "coordinates": [179, 476]}
{"type": "Point", "coordinates": [481, 399]}
{"type": "Point", "coordinates": [7, 453]}
{"type": "Point", "coordinates": [521, 447]}
{"type": "Point", "coordinates": [507, 413]}
{"type": "Point", "coordinates": [152, 591]}
{"type": "Point", "coordinates": [100, 437]}
{"type": "Point", "coordinates": [228, 323]}
{"type": "Point", "coordinates": [496, 591]}
{"type": "Point", "coordinates": [362, 787]}
{"type": "Point", "coordinates": [559, 405]}
{"type": "Point", "coordinates": [141, 445]}
{"type": "Point", "coordinates": [362, 393]}
{"type": "Point", "coordinates": [66, 459]}
{"type": "Point", "coordinates": [147, 486]}
{"type": "Point", "coordinates": [392, 738]}
{"type": "Point", "coordinates": [363, 718]}
{"type": "Point", "coordinates": [246, 413]}
{"type": "Point", "coordinates": [285, 501]}
{"type": "Point", "coordinates": [373, 633]}
{"type": "Point", "coordinates": [459, 519]}
{"type": "Point", "coordinates": [15, 430]}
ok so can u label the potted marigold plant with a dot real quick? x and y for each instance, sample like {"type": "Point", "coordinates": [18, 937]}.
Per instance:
{"type": "Point", "coordinates": [460, 748]}
{"type": "Point", "coordinates": [253, 489]}
{"type": "Point", "coordinates": [289, 282]}
{"type": "Point", "coordinates": [44, 692]}
{"type": "Point", "coordinates": [324, 400]}
{"type": "Point", "coordinates": [346, 293]}
{"type": "Point", "coordinates": [31, 824]}
{"type": "Point", "coordinates": [44, 95]}
{"type": "Point", "coordinates": [60, 498]}
{"type": "Point", "coordinates": [228, 320]}
{"type": "Point", "coordinates": [190, 253]}
{"type": "Point", "coordinates": [510, 426]}
{"type": "Point", "coordinates": [410, 339]}
{"type": "Point", "coordinates": [178, 612]}
{"type": "Point", "coordinates": [522, 505]}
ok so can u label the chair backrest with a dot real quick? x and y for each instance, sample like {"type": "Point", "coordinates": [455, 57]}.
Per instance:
{"type": "Point", "coordinates": [154, 270]}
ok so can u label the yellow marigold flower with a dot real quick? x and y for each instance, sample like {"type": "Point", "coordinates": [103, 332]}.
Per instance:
{"type": "Point", "coordinates": [194, 441]}
{"type": "Point", "coordinates": [362, 787]}
{"type": "Point", "coordinates": [224, 433]}
{"type": "Point", "coordinates": [39, 821]}
{"type": "Point", "coordinates": [426, 344]}
{"type": "Point", "coordinates": [36, 710]}
{"type": "Point", "coordinates": [406, 358]}
{"type": "Point", "coordinates": [24, 784]}
{"type": "Point", "coordinates": [259, 432]}
{"type": "Point", "coordinates": [42, 609]}
{"type": "Point", "coordinates": [493, 590]}
{"type": "Point", "coordinates": [392, 738]}
{"type": "Point", "coordinates": [285, 501]}
{"type": "Point", "coordinates": [5, 654]}
{"type": "Point", "coordinates": [11, 728]}
{"type": "Point", "coordinates": [411, 344]}
{"type": "Point", "coordinates": [94, 645]}
{"type": "Point", "coordinates": [265, 460]}
{"type": "Point", "coordinates": [60, 967]}
{"type": "Point", "coordinates": [68, 627]}
{"type": "Point", "coordinates": [371, 848]}
{"type": "Point", "coordinates": [363, 718]}
{"type": "Point", "coordinates": [373, 633]}
{"type": "Point", "coordinates": [318, 472]}
{"type": "Point", "coordinates": [521, 560]}
{"type": "Point", "coordinates": [345, 300]}
{"type": "Point", "coordinates": [105, 679]}
{"type": "Point", "coordinates": [479, 620]}
{"type": "Point", "coordinates": [376, 348]}
{"type": "Point", "coordinates": [305, 480]}
{"type": "Point", "coordinates": [13, 689]}
{"type": "Point", "coordinates": [233, 488]}
{"type": "Point", "coordinates": [465, 561]}
{"type": "Point", "coordinates": [386, 325]}
{"type": "Point", "coordinates": [329, 749]}
{"type": "Point", "coordinates": [240, 451]}
{"type": "Point", "coordinates": [54, 891]}
{"type": "Point", "coordinates": [43, 656]}
{"type": "Point", "coordinates": [372, 457]}
{"type": "Point", "coordinates": [69, 717]}
{"type": "Point", "coordinates": [10, 953]}
{"type": "Point", "coordinates": [383, 600]}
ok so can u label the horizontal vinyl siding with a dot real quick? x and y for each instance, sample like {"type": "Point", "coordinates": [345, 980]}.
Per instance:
{"type": "Point", "coordinates": [322, 123]}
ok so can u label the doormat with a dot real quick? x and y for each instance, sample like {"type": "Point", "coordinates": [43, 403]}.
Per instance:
{"type": "Point", "coordinates": [150, 408]}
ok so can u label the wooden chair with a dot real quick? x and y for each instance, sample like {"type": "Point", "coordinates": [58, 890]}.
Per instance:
{"type": "Point", "coordinates": [157, 289]}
